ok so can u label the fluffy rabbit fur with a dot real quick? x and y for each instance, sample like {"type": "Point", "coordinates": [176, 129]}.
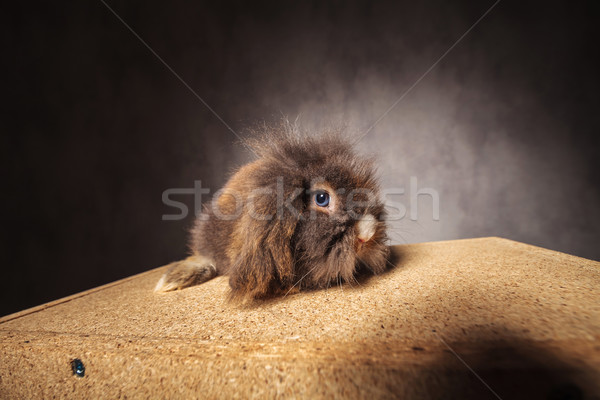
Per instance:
{"type": "Point", "coordinates": [306, 214]}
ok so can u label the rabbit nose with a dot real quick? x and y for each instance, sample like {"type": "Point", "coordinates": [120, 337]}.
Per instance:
{"type": "Point", "coordinates": [365, 228]}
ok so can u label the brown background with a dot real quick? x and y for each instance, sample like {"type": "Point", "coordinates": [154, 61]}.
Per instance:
{"type": "Point", "coordinates": [95, 128]}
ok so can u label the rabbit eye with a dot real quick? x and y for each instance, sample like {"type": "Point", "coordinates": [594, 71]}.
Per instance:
{"type": "Point", "coordinates": [322, 199]}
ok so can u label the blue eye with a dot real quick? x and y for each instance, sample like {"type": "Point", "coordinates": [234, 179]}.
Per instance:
{"type": "Point", "coordinates": [322, 199]}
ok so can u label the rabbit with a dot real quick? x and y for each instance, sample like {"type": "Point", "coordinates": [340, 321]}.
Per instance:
{"type": "Point", "coordinates": [305, 215]}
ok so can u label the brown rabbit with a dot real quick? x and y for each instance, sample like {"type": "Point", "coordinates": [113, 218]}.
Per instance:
{"type": "Point", "coordinates": [305, 214]}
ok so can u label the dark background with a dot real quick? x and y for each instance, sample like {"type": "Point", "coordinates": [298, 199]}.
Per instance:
{"type": "Point", "coordinates": [95, 128]}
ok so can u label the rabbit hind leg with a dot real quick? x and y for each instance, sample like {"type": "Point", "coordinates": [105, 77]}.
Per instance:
{"type": "Point", "coordinates": [192, 271]}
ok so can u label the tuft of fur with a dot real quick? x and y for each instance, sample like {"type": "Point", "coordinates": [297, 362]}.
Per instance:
{"type": "Point", "coordinates": [265, 232]}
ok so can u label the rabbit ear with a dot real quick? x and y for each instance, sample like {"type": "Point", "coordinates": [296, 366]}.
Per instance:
{"type": "Point", "coordinates": [265, 264]}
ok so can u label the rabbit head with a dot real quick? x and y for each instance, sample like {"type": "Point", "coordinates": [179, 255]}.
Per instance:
{"type": "Point", "coordinates": [311, 216]}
